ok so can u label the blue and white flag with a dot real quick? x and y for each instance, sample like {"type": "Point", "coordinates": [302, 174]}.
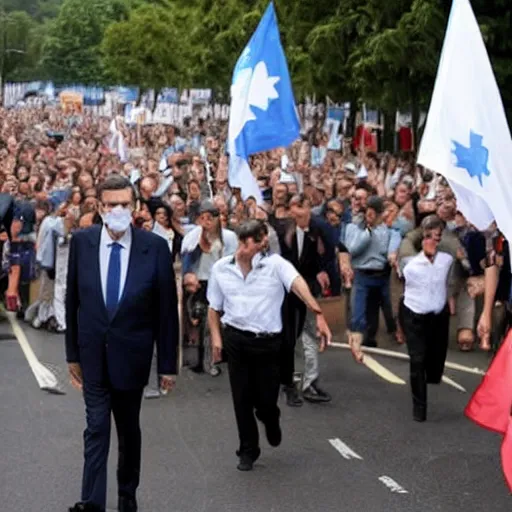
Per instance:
{"type": "Point", "coordinates": [467, 138]}
{"type": "Point", "coordinates": [263, 114]}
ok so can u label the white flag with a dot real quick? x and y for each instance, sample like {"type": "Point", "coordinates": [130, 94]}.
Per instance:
{"type": "Point", "coordinates": [467, 138]}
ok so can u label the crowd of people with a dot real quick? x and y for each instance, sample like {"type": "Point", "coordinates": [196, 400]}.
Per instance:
{"type": "Point", "coordinates": [348, 220]}
{"type": "Point", "coordinates": [238, 277]}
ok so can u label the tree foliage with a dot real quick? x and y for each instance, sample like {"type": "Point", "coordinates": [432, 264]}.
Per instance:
{"type": "Point", "coordinates": [71, 53]}
{"type": "Point", "coordinates": [145, 49]}
{"type": "Point", "coordinates": [382, 53]}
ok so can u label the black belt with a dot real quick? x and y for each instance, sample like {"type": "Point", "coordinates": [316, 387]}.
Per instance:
{"type": "Point", "coordinates": [376, 273]}
{"type": "Point", "coordinates": [252, 335]}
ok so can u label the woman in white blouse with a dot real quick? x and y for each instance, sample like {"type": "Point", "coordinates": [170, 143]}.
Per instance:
{"type": "Point", "coordinates": [424, 313]}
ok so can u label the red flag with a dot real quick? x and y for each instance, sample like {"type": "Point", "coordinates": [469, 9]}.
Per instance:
{"type": "Point", "coordinates": [490, 406]}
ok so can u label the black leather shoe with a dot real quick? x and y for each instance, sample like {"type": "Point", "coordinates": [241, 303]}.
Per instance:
{"type": "Point", "coordinates": [272, 430]}
{"type": "Point", "coordinates": [127, 504]}
{"type": "Point", "coordinates": [254, 456]}
{"type": "Point", "coordinates": [292, 397]}
{"type": "Point", "coordinates": [419, 413]}
{"type": "Point", "coordinates": [86, 507]}
{"type": "Point", "coordinates": [316, 394]}
{"type": "Point", "coordinates": [246, 463]}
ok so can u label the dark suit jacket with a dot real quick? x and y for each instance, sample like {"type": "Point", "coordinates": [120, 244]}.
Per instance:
{"type": "Point", "coordinates": [118, 351]}
{"type": "Point", "coordinates": [317, 252]}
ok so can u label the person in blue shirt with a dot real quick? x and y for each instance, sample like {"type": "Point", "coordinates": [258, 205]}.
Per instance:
{"type": "Point", "coordinates": [373, 247]}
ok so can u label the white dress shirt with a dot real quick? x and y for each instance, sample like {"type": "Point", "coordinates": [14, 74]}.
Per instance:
{"type": "Point", "coordinates": [426, 283]}
{"type": "Point", "coordinates": [254, 303]}
{"type": "Point", "coordinates": [105, 249]}
{"type": "Point", "coordinates": [300, 240]}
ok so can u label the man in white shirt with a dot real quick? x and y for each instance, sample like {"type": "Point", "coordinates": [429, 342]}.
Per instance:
{"type": "Point", "coordinates": [424, 313]}
{"type": "Point", "coordinates": [249, 289]}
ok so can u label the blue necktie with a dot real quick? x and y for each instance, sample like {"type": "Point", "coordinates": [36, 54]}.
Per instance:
{"type": "Point", "coordinates": [113, 278]}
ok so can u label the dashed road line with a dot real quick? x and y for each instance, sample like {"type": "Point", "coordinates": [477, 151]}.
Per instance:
{"type": "Point", "coordinates": [45, 378]}
{"type": "Point", "coordinates": [345, 451]}
{"type": "Point", "coordinates": [405, 357]}
{"type": "Point", "coordinates": [392, 485]}
{"type": "Point", "coordinates": [454, 384]}
{"type": "Point", "coordinates": [381, 370]}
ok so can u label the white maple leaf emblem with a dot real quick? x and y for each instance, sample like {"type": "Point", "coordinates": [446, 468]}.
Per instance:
{"type": "Point", "coordinates": [251, 88]}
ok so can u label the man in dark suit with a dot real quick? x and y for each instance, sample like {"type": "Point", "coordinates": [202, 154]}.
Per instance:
{"type": "Point", "coordinates": [121, 300]}
{"type": "Point", "coordinates": [309, 245]}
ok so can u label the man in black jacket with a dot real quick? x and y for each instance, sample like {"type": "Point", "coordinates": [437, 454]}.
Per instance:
{"type": "Point", "coordinates": [308, 244]}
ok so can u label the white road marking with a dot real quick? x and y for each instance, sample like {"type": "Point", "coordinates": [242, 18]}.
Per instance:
{"type": "Point", "coordinates": [381, 370]}
{"type": "Point", "coordinates": [345, 451]}
{"type": "Point", "coordinates": [392, 485]}
{"type": "Point", "coordinates": [405, 357]}
{"type": "Point", "coordinates": [454, 384]}
{"type": "Point", "coordinates": [45, 378]}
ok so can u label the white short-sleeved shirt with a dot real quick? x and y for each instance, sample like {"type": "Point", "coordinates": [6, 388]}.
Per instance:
{"type": "Point", "coordinates": [426, 283]}
{"type": "Point", "coordinates": [254, 303]}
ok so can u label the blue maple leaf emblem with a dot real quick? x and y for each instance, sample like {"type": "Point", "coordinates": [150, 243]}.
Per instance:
{"type": "Point", "coordinates": [474, 159]}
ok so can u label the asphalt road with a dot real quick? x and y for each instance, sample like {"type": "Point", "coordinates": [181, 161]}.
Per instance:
{"type": "Point", "coordinates": [362, 452]}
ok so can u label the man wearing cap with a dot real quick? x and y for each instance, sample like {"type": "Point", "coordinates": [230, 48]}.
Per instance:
{"type": "Point", "coordinates": [373, 248]}
{"type": "Point", "coordinates": [203, 246]}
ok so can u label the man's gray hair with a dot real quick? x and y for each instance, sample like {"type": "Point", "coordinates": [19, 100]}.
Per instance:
{"type": "Point", "coordinates": [115, 182]}
{"type": "Point", "coordinates": [432, 222]}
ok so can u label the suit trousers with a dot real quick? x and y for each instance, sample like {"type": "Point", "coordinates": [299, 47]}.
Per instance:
{"type": "Point", "coordinates": [427, 343]}
{"type": "Point", "coordinates": [294, 317]}
{"type": "Point", "coordinates": [253, 366]}
{"type": "Point", "coordinates": [101, 402]}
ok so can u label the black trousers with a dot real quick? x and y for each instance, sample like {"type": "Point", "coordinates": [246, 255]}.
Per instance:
{"type": "Point", "coordinates": [427, 343]}
{"type": "Point", "coordinates": [294, 316]}
{"type": "Point", "coordinates": [100, 403]}
{"type": "Point", "coordinates": [375, 302]}
{"type": "Point", "coordinates": [253, 365]}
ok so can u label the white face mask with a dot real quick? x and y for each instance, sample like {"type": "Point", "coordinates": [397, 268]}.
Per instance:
{"type": "Point", "coordinates": [118, 219]}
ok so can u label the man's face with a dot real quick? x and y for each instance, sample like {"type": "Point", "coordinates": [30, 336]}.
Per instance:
{"type": "Point", "coordinates": [90, 204]}
{"type": "Point", "coordinates": [253, 246]}
{"type": "Point", "coordinates": [280, 194]}
{"type": "Point", "coordinates": [301, 214]}
{"type": "Point", "coordinates": [194, 192]}
{"type": "Point", "coordinates": [370, 217]}
{"type": "Point", "coordinates": [85, 181]}
{"type": "Point", "coordinates": [200, 174]}
{"type": "Point", "coordinates": [402, 194]}
{"type": "Point", "coordinates": [147, 188]}
{"type": "Point", "coordinates": [431, 239]}
{"type": "Point", "coordinates": [178, 206]}
{"type": "Point", "coordinates": [110, 199]}
{"type": "Point", "coordinates": [221, 184]}
{"type": "Point", "coordinates": [446, 210]}
{"type": "Point", "coordinates": [334, 213]}
{"type": "Point", "coordinates": [152, 166]}
{"type": "Point", "coordinates": [359, 199]}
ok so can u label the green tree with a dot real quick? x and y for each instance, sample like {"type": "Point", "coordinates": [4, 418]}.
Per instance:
{"type": "Point", "coordinates": [19, 50]}
{"type": "Point", "coordinates": [71, 53]}
{"type": "Point", "coordinates": [148, 49]}
{"type": "Point", "coordinates": [495, 19]}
